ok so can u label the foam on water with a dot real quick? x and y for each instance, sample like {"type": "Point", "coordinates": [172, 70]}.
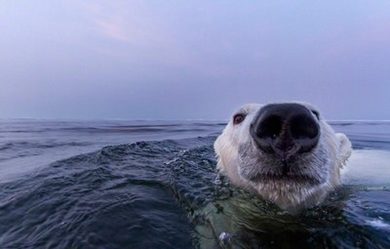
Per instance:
{"type": "Point", "coordinates": [379, 223]}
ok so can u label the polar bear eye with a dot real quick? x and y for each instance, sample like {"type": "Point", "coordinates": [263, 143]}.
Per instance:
{"type": "Point", "coordinates": [317, 114]}
{"type": "Point", "coordinates": [238, 118]}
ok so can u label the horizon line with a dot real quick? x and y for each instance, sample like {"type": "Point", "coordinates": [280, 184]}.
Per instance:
{"type": "Point", "coordinates": [165, 120]}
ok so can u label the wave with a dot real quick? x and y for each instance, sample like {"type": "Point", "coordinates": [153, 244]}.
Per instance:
{"type": "Point", "coordinates": [39, 145]}
{"type": "Point", "coordinates": [117, 197]}
{"type": "Point", "coordinates": [106, 127]}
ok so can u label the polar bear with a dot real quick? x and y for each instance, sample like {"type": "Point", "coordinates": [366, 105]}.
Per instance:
{"type": "Point", "coordinates": [284, 152]}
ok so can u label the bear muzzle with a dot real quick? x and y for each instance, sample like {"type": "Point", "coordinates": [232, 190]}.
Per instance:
{"type": "Point", "coordinates": [285, 130]}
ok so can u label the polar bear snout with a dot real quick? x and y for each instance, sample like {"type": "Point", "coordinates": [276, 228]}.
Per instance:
{"type": "Point", "coordinates": [285, 130]}
{"type": "Point", "coordinates": [285, 152]}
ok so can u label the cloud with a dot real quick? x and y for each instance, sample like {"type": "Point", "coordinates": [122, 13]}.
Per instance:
{"type": "Point", "coordinates": [149, 37]}
{"type": "Point", "coordinates": [113, 30]}
{"type": "Point", "coordinates": [128, 23]}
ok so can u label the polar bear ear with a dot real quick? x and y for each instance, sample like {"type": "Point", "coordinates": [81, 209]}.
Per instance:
{"type": "Point", "coordinates": [344, 149]}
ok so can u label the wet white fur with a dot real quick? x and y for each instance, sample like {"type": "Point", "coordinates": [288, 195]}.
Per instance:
{"type": "Point", "coordinates": [287, 195]}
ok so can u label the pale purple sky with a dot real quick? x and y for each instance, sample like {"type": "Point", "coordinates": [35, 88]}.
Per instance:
{"type": "Point", "coordinates": [190, 59]}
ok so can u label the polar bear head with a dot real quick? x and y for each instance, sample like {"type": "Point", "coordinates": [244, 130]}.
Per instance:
{"type": "Point", "coordinates": [285, 152]}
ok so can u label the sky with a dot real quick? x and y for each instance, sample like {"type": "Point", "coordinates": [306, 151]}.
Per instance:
{"type": "Point", "coordinates": [193, 59]}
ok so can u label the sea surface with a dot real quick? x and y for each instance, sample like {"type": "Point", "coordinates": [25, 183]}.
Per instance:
{"type": "Point", "coordinates": [152, 184]}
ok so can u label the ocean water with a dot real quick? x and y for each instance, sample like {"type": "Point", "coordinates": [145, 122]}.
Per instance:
{"type": "Point", "coordinates": [152, 184]}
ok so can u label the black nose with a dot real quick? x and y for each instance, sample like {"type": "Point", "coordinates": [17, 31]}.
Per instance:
{"type": "Point", "coordinates": [285, 129]}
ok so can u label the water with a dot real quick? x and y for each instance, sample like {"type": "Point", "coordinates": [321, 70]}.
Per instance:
{"type": "Point", "coordinates": [144, 184]}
